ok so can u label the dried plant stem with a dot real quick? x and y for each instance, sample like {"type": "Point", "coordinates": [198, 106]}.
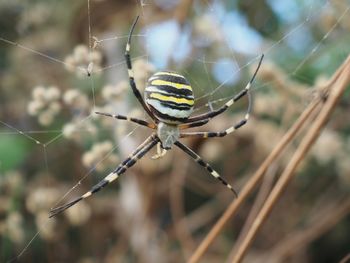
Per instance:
{"type": "Point", "coordinates": [251, 184]}
{"type": "Point", "coordinates": [345, 259]}
{"type": "Point", "coordinates": [264, 191]}
{"type": "Point", "coordinates": [300, 153]}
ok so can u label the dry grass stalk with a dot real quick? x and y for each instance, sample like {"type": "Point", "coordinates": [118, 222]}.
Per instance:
{"type": "Point", "coordinates": [345, 259]}
{"type": "Point", "coordinates": [251, 184]}
{"type": "Point", "coordinates": [309, 139]}
{"type": "Point", "coordinates": [255, 179]}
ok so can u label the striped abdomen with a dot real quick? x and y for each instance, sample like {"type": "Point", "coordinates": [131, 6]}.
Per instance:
{"type": "Point", "coordinates": [169, 96]}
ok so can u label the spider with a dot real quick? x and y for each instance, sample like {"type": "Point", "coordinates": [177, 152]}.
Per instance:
{"type": "Point", "coordinates": [169, 102]}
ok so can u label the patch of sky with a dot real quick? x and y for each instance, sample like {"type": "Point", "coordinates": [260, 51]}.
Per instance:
{"type": "Point", "coordinates": [226, 71]}
{"type": "Point", "coordinates": [301, 40]}
{"type": "Point", "coordinates": [165, 40]}
{"type": "Point", "coordinates": [288, 11]}
{"type": "Point", "coordinates": [239, 36]}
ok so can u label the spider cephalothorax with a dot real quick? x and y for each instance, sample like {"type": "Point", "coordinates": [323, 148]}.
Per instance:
{"type": "Point", "coordinates": [169, 102]}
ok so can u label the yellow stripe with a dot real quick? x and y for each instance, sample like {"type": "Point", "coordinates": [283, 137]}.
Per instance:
{"type": "Point", "coordinates": [169, 74]}
{"type": "Point", "coordinates": [172, 84]}
{"type": "Point", "coordinates": [172, 99]}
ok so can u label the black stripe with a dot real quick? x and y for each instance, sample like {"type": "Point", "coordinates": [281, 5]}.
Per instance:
{"type": "Point", "coordinates": [174, 79]}
{"type": "Point", "coordinates": [132, 161]}
{"type": "Point", "coordinates": [166, 116]}
{"type": "Point", "coordinates": [174, 106]}
{"type": "Point", "coordinates": [99, 186]}
{"type": "Point", "coordinates": [200, 161]}
{"type": "Point", "coordinates": [241, 123]}
{"type": "Point", "coordinates": [128, 61]}
{"type": "Point", "coordinates": [216, 134]}
{"type": "Point", "coordinates": [121, 117]}
{"type": "Point", "coordinates": [170, 89]}
{"type": "Point", "coordinates": [240, 95]}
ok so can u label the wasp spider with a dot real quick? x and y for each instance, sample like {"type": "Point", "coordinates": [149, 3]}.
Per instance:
{"type": "Point", "coordinates": [169, 102]}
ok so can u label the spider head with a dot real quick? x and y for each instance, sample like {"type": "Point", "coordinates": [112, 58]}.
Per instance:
{"type": "Point", "coordinates": [169, 96]}
{"type": "Point", "coordinates": [168, 134]}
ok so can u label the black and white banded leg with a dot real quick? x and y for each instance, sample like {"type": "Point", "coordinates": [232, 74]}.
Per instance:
{"type": "Point", "coordinates": [206, 165]}
{"type": "Point", "coordinates": [193, 124]}
{"type": "Point", "coordinates": [242, 93]}
{"type": "Point", "coordinates": [217, 134]}
{"type": "Point", "coordinates": [131, 74]}
{"type": "Point", "coordinates": [126, 164]}
{"type": "Point", "coordinates": [126, 118]}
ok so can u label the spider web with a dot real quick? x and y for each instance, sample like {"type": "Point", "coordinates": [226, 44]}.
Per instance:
{"type": "Point", "coordinates": [219, 87]}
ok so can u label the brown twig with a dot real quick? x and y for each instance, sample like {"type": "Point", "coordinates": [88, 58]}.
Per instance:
{"type": "Point", "coordinates": [251, 184]}
{"type": "Point", "coordinates": [264, 191]}
{"type": "Point", "coordinates": [346, 259]}
{"type": "Point", "coordinates": [334, 95]}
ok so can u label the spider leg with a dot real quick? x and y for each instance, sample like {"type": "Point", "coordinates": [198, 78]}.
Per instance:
{"type": "Point", "coordinates": [193, 124]}
{"type": "Point", "coordinates": [206, 165]}
{"type": "Point", "coordinates": [229, 103]}
{"type": "Point", "coordinates": [216, 134]}
{"type": "Point", "coordinates": [127, 163]}
{"type": "Point", "coordinates": [131, 73]}
{"type": "Point", "coordinates": [126, 118]}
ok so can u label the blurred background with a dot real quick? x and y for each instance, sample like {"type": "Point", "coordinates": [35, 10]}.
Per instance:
{"type": "Point", "coordinates": [54, 148]}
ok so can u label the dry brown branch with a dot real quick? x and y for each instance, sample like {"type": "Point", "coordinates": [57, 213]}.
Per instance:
{"type": "Point", "coordinates": [255, 179]}
{"type": "Point", "coordinates": [334, 95]}
{"type": "Point", "coordinates": [345, 259]}
{"type": "Point", "coordinates": [252, 183]}
{"type": "Point", "coordinates": [264, 191]}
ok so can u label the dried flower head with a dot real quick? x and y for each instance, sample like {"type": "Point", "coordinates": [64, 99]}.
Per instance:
{"type": "Point", "coordinates": [76, 130]}
{"type": "Point", "coordinates": [114, 92]}
{"type": "Point", "coordinates": [327, 147]}
{"type": "Point", "coordinates": [76, 99]}
{"type": "Point", "coordinates": [79, 214]}
{"type": "Point", "coordinates": [41, 199]}
{"type": "Point", "coordinates": [100, 156]}
{"type": "Point", "coordinates": [14, 228]}
{"type": "Point", "coordinates": [45, 104]}
{"type": "Point", "coordinates": [84, 62]}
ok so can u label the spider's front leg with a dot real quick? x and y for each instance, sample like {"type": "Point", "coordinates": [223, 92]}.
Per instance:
{"type": "Point", "coordinates": [131, 74]}
{"type": "Point", "coordinates": [217, 134]}
{"type": "Point", "coordinates": [241, 94]}
{"type": "Point", "coordinates": [126, 118]}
